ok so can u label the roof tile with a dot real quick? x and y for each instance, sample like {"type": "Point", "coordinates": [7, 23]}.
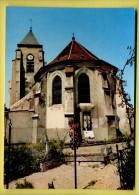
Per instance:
{"type": "Point", "coordinates": [74, 51]}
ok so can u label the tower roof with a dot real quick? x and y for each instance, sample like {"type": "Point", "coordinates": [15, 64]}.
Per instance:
{"type": "Point", "coordinates": [74, 51]}
{"type": "Point", "coordinates": [29, 39]}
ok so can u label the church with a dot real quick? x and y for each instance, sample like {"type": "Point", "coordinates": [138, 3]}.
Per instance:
{"type": "Point", "coordinates": [75, 85]}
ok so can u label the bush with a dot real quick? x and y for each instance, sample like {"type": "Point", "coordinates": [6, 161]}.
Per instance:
{"type": "Point", "coordinates": [24, 160]}
{"type": "Point", "coordinates": [56, 148]}
{"type": "Point", "coordinates": [23, 185]}
{"type": "Point", "coordinates": [54, 158]}
{"type": "Point", "coordinates": [38, 153]}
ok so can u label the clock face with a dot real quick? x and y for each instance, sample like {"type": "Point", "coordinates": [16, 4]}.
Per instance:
{"type": "Point", "coordinates": [30, 57]}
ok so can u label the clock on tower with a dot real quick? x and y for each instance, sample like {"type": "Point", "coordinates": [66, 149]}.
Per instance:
{"type": "Point", "coordinates": [30, 57]}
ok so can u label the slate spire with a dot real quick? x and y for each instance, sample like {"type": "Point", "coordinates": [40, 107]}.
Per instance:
{"type": "Point", "coordinates": [29, 39]}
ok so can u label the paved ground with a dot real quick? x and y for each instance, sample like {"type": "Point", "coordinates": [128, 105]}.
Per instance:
{"type": "Point", "coordinates": [90, 176]}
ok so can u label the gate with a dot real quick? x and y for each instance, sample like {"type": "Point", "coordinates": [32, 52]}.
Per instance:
{"type": "Point", "coordinates": [126, 167]}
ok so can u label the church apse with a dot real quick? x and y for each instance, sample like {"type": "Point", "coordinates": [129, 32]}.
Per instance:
{"type": "Point", "coordinates": [74, 85]}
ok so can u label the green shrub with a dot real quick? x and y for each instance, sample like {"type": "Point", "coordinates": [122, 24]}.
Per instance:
{"type": "Point", "coordinates": [54, 157]}
{"type": "Point", "coordinates": [38, 153]}
{"type": "Point", "coordinates": [23, 185]}
{"type": "Point", "coordinates": [24, 160]}
{"type": "Point", "coordinates": [56, 148]}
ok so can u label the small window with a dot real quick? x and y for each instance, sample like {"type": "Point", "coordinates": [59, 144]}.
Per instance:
{"type": "Point", "coordinates": [57, 91]}
{"type": "Point", "coordinates": [30, 67]}
{"type": "Point", "coordinates": [83, 89]}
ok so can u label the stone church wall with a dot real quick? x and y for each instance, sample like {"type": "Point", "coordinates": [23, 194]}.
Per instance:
{"type": "Point", "coordinates": [21, 126]}
{"type": "Point", "coordinates": [55, 120]}
{"type": "Point", "coordinates": [99, 108]}
{"type": "Point", "coordinates": [41, 132]}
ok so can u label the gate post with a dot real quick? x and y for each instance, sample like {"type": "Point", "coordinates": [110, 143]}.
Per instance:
{"type": "Point", "coordinates": [75, 166]}
{"type": "Point", "coordinates": [9, 155]}
{"type": "Point", "coordinates": [119, 164]}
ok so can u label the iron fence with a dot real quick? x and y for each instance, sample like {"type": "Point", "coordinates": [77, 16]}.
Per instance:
{"type": "Point", "coordinates": [126, 166]}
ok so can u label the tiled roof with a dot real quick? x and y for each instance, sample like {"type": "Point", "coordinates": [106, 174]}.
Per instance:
{"type": "Point", "coordinates": [29, 39]}
{"type": "Point", "coordinates": [74, 52]}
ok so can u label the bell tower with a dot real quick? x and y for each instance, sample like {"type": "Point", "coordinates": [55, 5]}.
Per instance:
{"type": "Point", "coordinates": [28, 60]}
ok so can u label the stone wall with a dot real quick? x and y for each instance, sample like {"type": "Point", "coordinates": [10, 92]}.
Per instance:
{"type": "Point", "coordinates": [21, 126]}
{"type": "Point", "coordinates": [22, 80]}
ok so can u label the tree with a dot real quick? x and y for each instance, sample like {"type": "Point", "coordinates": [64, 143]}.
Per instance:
{"type": "Point", "coordinates": [125, 96]}
{"type": "Point", "coordinates": [126, 167]}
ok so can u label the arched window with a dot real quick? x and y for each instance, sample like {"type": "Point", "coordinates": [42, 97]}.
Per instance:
{"type": "Point", "coordinates": [83, 89]}
{"type": "Point", "coordinates": [57, 91]}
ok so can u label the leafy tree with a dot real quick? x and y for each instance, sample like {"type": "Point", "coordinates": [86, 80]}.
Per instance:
{"type": "Point", "coordinates": [125, 96]}
{"type": "Point", "coordinates": [126, 166]}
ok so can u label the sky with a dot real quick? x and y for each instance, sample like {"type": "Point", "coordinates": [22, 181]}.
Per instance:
{"type": "Point", "coordinates": [106, 32]}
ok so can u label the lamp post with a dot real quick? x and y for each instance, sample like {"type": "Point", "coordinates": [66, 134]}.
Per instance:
{"type": "Point", "coordinates": [9, 153]}
{"type": "Point", "coordinates": [74, 145]}
{"type": "Point", "coordinates": [75, 166]}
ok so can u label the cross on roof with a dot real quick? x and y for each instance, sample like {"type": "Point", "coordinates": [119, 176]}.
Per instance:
{"type": "Point", "coordinates": [73, 38]}
{"type": "Point", "coordinates": [30, 23]}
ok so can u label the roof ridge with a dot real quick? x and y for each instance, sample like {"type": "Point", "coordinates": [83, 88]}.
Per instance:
{"type": "Point", "coordinates": [87, 51]}
{"type": "Point", "coordinates": [62, 51]}
{"type": "Point", "coordinates": [70, 50]}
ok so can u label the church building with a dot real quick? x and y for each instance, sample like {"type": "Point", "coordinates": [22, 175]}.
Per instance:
{"type": "Point", "coordinates": [76, 85]}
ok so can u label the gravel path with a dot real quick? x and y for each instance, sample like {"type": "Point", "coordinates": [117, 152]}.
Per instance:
{"type": "Point", "coordinates": [90, 176]}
